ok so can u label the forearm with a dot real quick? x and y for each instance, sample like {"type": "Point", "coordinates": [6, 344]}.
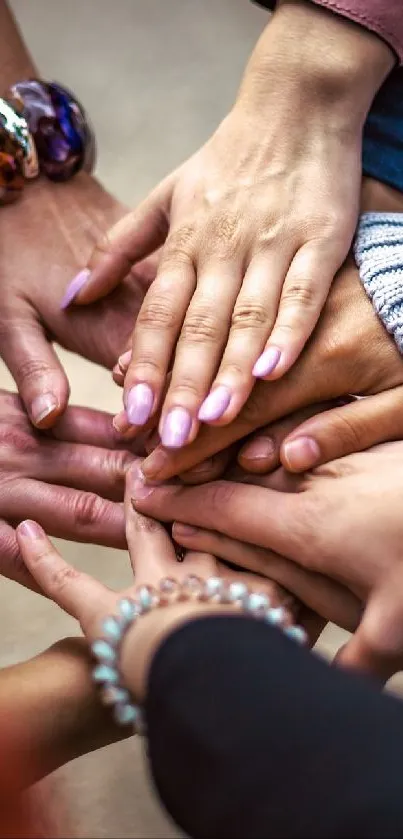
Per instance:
{"type": "Point", "coordinates": [324, 59]}
{"type": "Point", "coordinates": [15, 60]}
{"type": "Point", "coordinates": [49, 714]}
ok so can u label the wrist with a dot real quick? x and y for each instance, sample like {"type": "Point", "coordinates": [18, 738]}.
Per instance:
{"type": "Point", "coordinates": [311, 58]}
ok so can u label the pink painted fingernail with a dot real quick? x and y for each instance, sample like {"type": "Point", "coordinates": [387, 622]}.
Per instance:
{"type": "Point", "coordinates": [139, 403]}
{"type": "Point", "coordinates": [215, 404]}
{"type": "Point", "coordinates": [301, 453]}
{"type": "Point", "coordinates": [74, 287]}
{"type": "Point", "coordinates": [43, 406]}
{"type": "Point", "coordinates": [267, 362]}
{"type": "Point", "coordinates": [30, 530]}
{"type": "Point", "coordinates": [176, 428]}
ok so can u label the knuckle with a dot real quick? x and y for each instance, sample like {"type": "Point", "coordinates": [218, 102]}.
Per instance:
{"type": "Point", "coordinates": [89, 509]}
{"type": "Point", "coordinates": [63, 577]}
{"type": "Point", "coordinates": [18, 439]}
{"type": "Point", "coordinates": [179, 245]}
{"type": "Point", "coordinates": [157, 313]}
{"type": "Point", "coordinates": [224, 230]}
{"type": "Point", "coordinates": [32, 368]}
{"type": "Point", "coordinates": [301, 293]}
{"type": "Point", "coordinates": [200, 327]}
{"type": "Point", "coordinates": [249, 316]}
{"type": "Point", "coordinates": [219, 494]}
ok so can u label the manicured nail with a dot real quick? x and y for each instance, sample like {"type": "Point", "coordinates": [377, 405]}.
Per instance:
{"type": "Point", "coordinates": [42, 406]}
{"type": "Point", "coordinates": [139, 403]}
{"type": "Point", "coordinates": [139, 489]}
{"type": "Point", "coordinates": [30, 530]}
{"type": "Point", "coordinates": [215, 404]}
{"type": "Point", "coordinates": [184, 530]}
{"type": "Point", "coordinates": [74, 287]}
{"type": "Point", "coordinates": [176, 428]}
{"type": "Point", "coordinates": [260, 449]}
{"type": "Point", "coordinates": [301, 453]}
{"type": "Point", "coordinates": [266, 362]}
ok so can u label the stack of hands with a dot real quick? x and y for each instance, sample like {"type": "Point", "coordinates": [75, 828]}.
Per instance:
{"type": "Point", "coordinates": [288, 480]}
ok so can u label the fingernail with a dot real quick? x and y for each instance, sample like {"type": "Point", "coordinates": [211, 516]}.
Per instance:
{"type": "Point", "coordinates": [74, 287]}
{"type": "Point", "coordinates": [266, 362]}
{"type": "Point", "coordinates": [124, 360]}
{"type": "Point", "coordinates": [121, 423]}
{"type": "Point", "coordinates": [302, 453]}
{"type": "Point", "coordinates": [139, 489]}
{"type": "Point", "coordinates": [184, 530]}
{"type": "Point", "coordinates": [139, 403]}
{"type": "Point", "coordinates": [200, 468]}
{"type": "Point", "coordinates": [176, 428]}
{"type": "Point", "coordinates": [215, 404]}
{"type": "Point", "coordinates": [259, 449]}
{"type": "Point", "coordinates": [154, 463]}
{"type": "Point", "coordinates": [30, 530]}
{"type": "Point", "coordinates": [42, 406]}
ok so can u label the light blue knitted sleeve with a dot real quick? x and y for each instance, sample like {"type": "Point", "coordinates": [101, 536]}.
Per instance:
{"type": "Point", "coordinates": [378, 251]}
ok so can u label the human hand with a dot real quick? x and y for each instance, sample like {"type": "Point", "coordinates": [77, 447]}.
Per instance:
{"type": "Point", "coordinates": [44, 238]}
{"type": "Point", "coordinates": [71, 480]}
{"type": "Point", "coordinates": [342, 522]}
{"type": "Point", "coordinates": [153, 558]}
{"type": "Point", "coordinates": [255, 226]}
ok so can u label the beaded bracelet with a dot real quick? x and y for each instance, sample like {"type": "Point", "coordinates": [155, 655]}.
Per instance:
{"type": "Point", "coordinates": [43, 128]}
{"type": "Point", "coordinates": [106, 650]}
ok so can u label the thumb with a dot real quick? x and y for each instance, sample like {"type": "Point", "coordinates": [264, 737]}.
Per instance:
{"type": "Point", "coordinates": [376, 648]}
{"type": "Point", "coordinates": [344, 430]}
{"type": "Point", "coordinates": [132, 239]}
{"type": "Point", "coordinates": [42, 383]}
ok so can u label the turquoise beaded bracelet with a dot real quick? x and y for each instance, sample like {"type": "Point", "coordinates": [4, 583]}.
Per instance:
{"type": "Point", "coordinates": [106, 650]}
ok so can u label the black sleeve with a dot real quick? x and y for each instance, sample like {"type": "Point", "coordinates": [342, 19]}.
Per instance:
{"type": "Point", "coordinates": [251, 736]}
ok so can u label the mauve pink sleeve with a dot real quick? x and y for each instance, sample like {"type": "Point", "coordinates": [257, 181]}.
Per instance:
{"type": "Point", "coordinates": [384, 17]}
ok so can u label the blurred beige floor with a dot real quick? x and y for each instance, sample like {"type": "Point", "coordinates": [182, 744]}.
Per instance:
{"type": "Point", "coordinates": [156, 77]}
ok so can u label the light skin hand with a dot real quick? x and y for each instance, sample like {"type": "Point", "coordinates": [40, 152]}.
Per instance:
{"type": "Point", "coordinates": [152, 557]}
{"type": "Point", "coordinates": [254, 226]}
{"type": "Point", "coordinates": [311, 521]}
{"type": "Point", "coordinates": [71, 480]}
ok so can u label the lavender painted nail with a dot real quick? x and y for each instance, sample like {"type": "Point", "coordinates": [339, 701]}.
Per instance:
{"type": "Point", "coordinates": [139, 403]}
{"type": "Point", "coordinates": [215, 404]}
{"type": "Point", "coordinates": [74, 287]}
{"type": "Point", "coordinates": [267, 362]}
{"type": "Point", "coordinates": [176, 428]}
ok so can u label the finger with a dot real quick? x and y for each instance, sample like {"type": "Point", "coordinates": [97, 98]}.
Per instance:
{"type": "Point", "coordinates": [377, 646]}
{"type": "Point", "coordinates": [67, 513]}
{"type": "Point", "coordinates": [134, 237]}
{"type": "Point", "coordinates": [156, 332]}
{"type": "Point", "coordinates": [91, 468]}
{"type": "Point", "coordinates": [12, 565]}
{"type": "Point", "coordinates": [329, 599]}
{"type": "Point", "coordinates": [208, 470]}
{"type": "Point", "coordinates": [341, 431]}
{"type": "Point", "coordinates": [304, 293]}
{"type": "Point", "coordinates": [120, 369]}
{"type": "Point", "coordinates": [261, 454]}
{"type": "Point", "coordinates": [200, 346]}
{"type": "Point", "coordinates": [152, 553]}
{"type": "Point", "coordinates": [252, 319]}
{"type": "Point", "coordinates": [75, 592]}
{"type": "Point", "coordinates": [275, 520]}
{"type": "Point", "coordinates": [87, 426]}
{"type": "Point", "coordinates": [32, 361]}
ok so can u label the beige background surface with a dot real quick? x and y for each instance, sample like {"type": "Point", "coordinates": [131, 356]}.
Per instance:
{"type": "Point", "coordinates": [156, 77]}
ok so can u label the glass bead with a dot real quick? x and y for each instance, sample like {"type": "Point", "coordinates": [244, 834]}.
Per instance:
{"type": "Point", "coordinates": [125, 713]}
{"type": "Point", "coordinates": [275, 616]}
{"type": "Point", "coordinates": [11, 179]}
{"type": "Point", "coordinates": [103, 651]}
{"type": "Point", "coordinates": [103, 674]}
{"type": "Point", "coordinates": [128, 609]}
{"type": "Point", "coordinates": [112, 694]}
{"type": "Point", "coordinates": [256, 603]}
{"type": "Point", "coordinates": [236, 592]}
{"type": "Point", "coordinates": [169, 590]}
{"type": "Point", "coordinates": [112, 630]}
{"type": "Point", "coordinates": [213, 589]}
{"type": "Point", "coordinates": [147, 598]}
{"type": "Point", "coordinates": [296, 633]}
{"type": "Point", "coordinates": [191, 588]}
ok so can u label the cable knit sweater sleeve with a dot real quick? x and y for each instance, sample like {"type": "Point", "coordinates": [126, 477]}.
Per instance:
{"type": "Point", "coordinates": [384, 17]}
